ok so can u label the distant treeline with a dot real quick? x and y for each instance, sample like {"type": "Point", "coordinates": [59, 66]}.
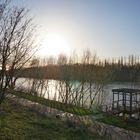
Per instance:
{"type": "Point", "coordinates": [89, 69]}
{"type": "Point", "coordinates": [67, 72]}
{"type": "Point", "coordinates": [88, 72]}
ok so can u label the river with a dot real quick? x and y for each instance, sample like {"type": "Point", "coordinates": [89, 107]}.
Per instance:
{"type": "Point", "coordinates": [55, 90]}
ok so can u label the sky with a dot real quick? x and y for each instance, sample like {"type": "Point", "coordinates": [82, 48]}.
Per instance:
{"type": "Point", "coordinates": [111, 28]}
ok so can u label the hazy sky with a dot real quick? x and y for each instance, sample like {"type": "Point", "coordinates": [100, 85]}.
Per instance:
{"type": "Point", "coordinates": [109, 27]}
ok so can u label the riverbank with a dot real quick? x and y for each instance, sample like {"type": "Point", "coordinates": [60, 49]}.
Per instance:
{"type": "Point", "coordinates": [53, 104]}
{"type": "Point", "coordinates": [20, 123]}
{"type": "Point", "coordinates": [45, 112]}
{"type": "Point", "coordinates": [52, 108]}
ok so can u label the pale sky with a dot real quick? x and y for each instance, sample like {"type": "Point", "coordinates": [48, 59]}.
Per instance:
{"type": "Point", "coordinates": [109, 27]}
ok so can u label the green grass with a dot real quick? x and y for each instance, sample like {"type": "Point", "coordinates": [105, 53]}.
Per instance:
{"type": "Point", "coordinates": [54, 104]}
{"type": "Point", "coordinates": [101, 117]}
{"type": "Point", "coordinates": [119, 122]}
{"type": "Point", "coordinates": [19, 123]}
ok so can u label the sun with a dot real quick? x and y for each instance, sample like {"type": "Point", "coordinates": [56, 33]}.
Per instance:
{"type": "Point", "coordinates": [53, 45]}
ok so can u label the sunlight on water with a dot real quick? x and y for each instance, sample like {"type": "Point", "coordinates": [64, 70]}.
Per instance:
{"type": "Point", "coordinates": [53, 88]}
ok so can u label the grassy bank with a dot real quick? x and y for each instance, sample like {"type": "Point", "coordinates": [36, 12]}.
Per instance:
{"type": "Point", "coordinates": [19, 123]}
{"type": "Point", "coordinates": [133, 125]}
{"type": "Point", "coordinates": [103, 117]}
{"type": "Point", "coordinates": [54, 104]}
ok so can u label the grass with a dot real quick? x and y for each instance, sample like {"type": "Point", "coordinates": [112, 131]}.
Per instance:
{"type": "Point", "coordinates": [119, 122]}
{"type": "Point", "coordinates": [19, 123]}
{"type": "Point", "coordinates": [101, 117]}
{"type": "Point", "coordinates": [54, 104]}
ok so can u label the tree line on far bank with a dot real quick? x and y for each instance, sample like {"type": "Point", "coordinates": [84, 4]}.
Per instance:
{"type": "Point", "coordinates": [115, 70]}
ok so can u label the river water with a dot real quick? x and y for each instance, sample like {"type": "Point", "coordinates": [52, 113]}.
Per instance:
{"type": "Point", "coordinates": [51, 88]}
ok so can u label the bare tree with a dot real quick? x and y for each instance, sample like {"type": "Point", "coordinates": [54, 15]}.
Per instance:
{"type": "Point", "coordinates": [16, 45]}
{"type": "Point", "coordinates": [62, 59]}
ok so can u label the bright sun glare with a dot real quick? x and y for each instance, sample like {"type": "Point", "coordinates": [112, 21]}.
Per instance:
{"type": "Point", "coordinates": [53, 45]}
